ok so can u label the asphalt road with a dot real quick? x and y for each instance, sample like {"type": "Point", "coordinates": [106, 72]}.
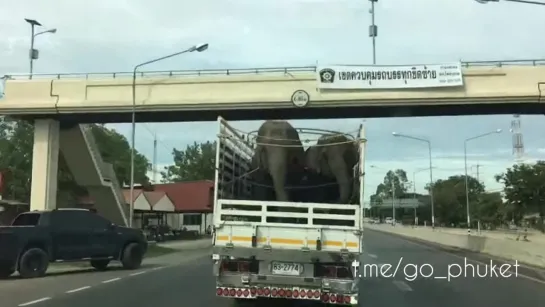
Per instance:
{"type": "Point", "coordinates": [189, 282]}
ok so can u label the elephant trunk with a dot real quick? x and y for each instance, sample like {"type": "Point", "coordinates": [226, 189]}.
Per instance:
{"type": "Point", "coordinates": [343, 176]}
{"type": "Point", "coordinates": [277, 165]}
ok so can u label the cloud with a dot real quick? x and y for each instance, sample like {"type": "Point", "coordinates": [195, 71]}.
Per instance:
{"type": "Point", "coordinates": [116, 35]}
{"type": "Point", "coordinates": [105, 35]}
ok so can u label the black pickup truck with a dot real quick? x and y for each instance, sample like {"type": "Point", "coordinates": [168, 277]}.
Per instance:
{"type": "Point", "coordinates": [37, 238]}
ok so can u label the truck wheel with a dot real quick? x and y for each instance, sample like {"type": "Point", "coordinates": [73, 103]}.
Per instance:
{"type": "Point", "coordinates": [132, 256]}
{"type": "Point", "coordinates": [33, 263]}
{"type": "Point", "coordinates": [100, 265]}
{"type": "Point", "coordinates": [6, 272]}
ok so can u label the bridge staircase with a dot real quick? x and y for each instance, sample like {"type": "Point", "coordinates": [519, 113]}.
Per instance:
{"type": "Point", "coordinates": [83, 158]}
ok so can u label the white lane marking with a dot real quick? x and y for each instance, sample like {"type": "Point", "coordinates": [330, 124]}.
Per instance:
{"type": "Point", "coordinates": [34, 301]}
{"type": "Point", "coordinates": [111, 280]}
{"type": "Point", "coordinates": [372, 256]}
{"type": "Point", "coordinates": [403, 286]}
{"type": "Point", "coordinates": [157, 268]}
{"type": "Point", "coordinates": [78, 289]}
{"type": "Point", "coordinates": [438, 249]}
{"type": "Point", "coordinates": [137, 273]}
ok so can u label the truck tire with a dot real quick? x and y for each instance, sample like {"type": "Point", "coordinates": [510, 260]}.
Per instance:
{"type": "Point", "coordinates": [100, 265]}
{"type": "Point", "coordinates": [132, 256]}
{"type": "Point", "coordinates": [33, 263]}
{"type": "Point", "coordinates": [6, 272]}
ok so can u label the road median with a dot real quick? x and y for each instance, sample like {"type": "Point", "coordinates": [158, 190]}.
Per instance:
{"type": "Point", "coordinates": [530, 253]}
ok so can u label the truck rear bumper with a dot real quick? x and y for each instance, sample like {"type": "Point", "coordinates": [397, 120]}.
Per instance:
{"type": "Point", "coordinates": [251, 286]}
{"type": "Point", "coordinates": [287, 292]}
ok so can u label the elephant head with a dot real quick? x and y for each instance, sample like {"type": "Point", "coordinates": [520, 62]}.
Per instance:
{"type": "Point", "coordinates": [279, 153]}
{"type": "Point", "coordinates": [335, 156]}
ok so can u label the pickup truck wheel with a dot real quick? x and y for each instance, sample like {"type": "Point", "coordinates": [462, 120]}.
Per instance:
{"type": "Point", "coordinates": [6, 272]}
{"type": "Point", "coordinates": [132, 256]}
{"type": "Point", "coordinates": [33, 263]}
{"type": "Point", "coordinates": [100, 265]}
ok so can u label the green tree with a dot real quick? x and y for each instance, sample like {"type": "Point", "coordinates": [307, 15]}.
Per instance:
{"type": "Point", "coordinates": [16, 145]}
{"type": "Point", "coordinates": [16, 142]}
{"type": "Point", "coordinates": [524, 188]}
{"type": "Point", "coordinates": [196, 162]}
{"type": "Point", "coordinates": [115, 149]}
{"type": "Point", "coordinates": [450, 198]}
{"type": "Point", "coordinates": [489, 209]}
{"type": "Point", "coordinates": [396, 179]}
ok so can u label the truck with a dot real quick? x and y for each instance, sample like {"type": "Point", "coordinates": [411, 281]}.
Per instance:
{"type": "Point", "coordinates": [36, 238]}
{"type": "Point", "coordinates": [281, 250]}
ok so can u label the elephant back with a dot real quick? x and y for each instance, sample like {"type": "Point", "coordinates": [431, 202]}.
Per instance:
{"type": "Point", "coordinates": [349, 148]}
{"type": "Point", "coordinates": [280, 133]}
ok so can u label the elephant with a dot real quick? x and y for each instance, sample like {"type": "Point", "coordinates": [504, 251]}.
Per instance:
{"type": "Point", "coordinates": [279, 154]}
{"type": "Point", "coordinates": [317, 188]}
{"type": "Point", "coordinates": [261, 183]}
{"type": "Point", "coordinates": [336, 160]}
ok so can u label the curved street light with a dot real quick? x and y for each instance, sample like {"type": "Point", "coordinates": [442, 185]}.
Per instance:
{"type": "Point", "coordinates": [517, 1]}
{"type": "Point", "coordinates": [465, 167]}
{"type": "Point", "coordinates": [431, 170]}
{"type": "Point", "coordinates": [198, 48]}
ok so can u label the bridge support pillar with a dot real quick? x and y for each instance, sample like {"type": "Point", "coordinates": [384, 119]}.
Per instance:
{"type": "Point", "coordinates": [45, 164]}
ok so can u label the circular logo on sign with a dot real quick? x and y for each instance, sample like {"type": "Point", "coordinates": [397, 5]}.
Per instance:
{"type": "Point", "coordinates": [300, 98]}
{"type": "Point", "coordinates": [327, 75]}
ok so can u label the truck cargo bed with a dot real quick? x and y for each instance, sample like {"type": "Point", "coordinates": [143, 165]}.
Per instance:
{"type": "Point", "coordinates": [286, 225]}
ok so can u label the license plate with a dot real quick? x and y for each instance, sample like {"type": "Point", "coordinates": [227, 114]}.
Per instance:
{"type": "Point", "coordinates": [287, 268]}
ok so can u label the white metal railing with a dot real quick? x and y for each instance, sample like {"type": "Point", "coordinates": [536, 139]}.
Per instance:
{"type": "Point", "coordinates": [240, 71]}
{"type": "Point", "coordinates": [233, 153]}
{"type": "Point", "coordinates": [242, 212]}
{"type": "Point", "coordinates": [109, 173]}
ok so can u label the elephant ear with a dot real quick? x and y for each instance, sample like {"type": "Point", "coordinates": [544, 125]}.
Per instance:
{"type": "Point", "coordinates": [351, 155]}
{"type": "Point", "coordinates": [259, 160]}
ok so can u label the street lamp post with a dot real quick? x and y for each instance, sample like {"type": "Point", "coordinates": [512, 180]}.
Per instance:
{"type": "Point", "coordinates": [33, 54]}
{"type": "Point", "coordinates": [198, 48]}
{"type": "Point", "coordinates": [431, 170]}
{"type": "Point", "coordinates": [466, 179]}
{"type": "Point", "coordinates": [414, 189]}
{"type": "Point", "coordinates": [517, 1]}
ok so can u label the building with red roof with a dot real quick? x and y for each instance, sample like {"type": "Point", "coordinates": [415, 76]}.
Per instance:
{"type": "Point", "coordinates": [193, 202]}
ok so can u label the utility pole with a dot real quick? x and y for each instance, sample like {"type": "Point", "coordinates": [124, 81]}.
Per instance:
{"type": "Point", "coordinates": [518, 140]}
{"type": "Point", "coordinates": [373, 30]}
{"type": "Point", "coordinates": [393, 202]}
{"type": "Point", "coordinates": [478, 166]}
{"type": "Point", "coordinates": [414, 199]}
{"type": "Point", "coordinates": [154, 168]}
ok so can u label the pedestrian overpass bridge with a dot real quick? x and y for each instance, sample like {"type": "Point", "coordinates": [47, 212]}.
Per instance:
{"type": "Point", "coordinates": [495, 87]}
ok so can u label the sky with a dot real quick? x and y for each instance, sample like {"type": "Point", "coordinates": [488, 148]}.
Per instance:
{"type": "Point", "coordinates": [109, 36]}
